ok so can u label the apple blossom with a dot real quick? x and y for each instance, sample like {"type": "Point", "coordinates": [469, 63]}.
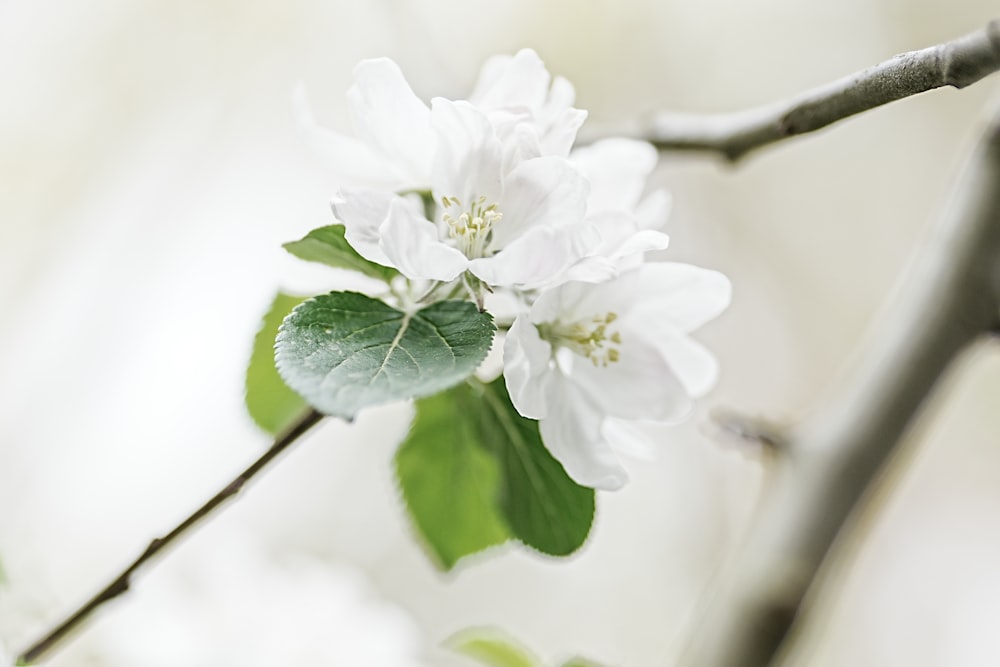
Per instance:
{"type": "Point", "coordinates": [586, 354]}
{"type": "Point", "coordinates": [507, 225]}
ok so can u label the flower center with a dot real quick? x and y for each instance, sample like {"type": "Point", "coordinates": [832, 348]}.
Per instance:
{"type": "Point", "coordinates": [588, 338]}
{"type": "Point", "coordinates": [471, 227]}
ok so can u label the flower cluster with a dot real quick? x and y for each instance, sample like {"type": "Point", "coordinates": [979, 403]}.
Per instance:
{"type": "Point", "coordinates": [486, 198]}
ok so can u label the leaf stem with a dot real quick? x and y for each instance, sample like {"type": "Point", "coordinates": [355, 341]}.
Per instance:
{"type": "Point", "coordinates": [120, 584]}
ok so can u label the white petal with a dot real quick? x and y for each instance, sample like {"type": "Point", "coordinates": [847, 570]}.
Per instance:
{"type": "Point", "coordinates": [469, 160]}
{"type": "Point", "coordinates": [351, 160]}
{"type": "Point", "coordinates": [617, 170]}
{"type": "Point", "coordinates": [628, 437]}
{"type": "Point", "coordinates": [587, 270]}
{"type": "Point", "coordinates": [411, 243]}
{"type": "Point", "coordinates": [492, 366]}
{"type": "Point", "coordinates": [558, 137]}
{"type": "Point", "coordinates": [640, 385]}
{"type": "Point", "coordinates": [672, 297]}
{"type": "Point", "coordinates": [622, 237]}
{"type": "Point", "coordinates": [572, 433]}
{"type": "Point", "coordinates": [546, 191]}
{"type": "Point", "coordinates": [536, 258]}
{"type": "Point", "coordinates": [521, 81]}
{"type": "Point", "coordinates": [527, 372]}
{"type": "Point", "coordinates": [641, 242]}
{"type": "Point", "coordinates": [693, 365]}
{"type": "Point", "coordinates": [561, 303]}
{"type": "Point", "coordinates": [362, 211]}
{"type": "Point", "coordinates": [387, 114]}
{"type": "Point", "coordinates": [653, 211]}
{"type": "Point", "coordinates": [582, 302]}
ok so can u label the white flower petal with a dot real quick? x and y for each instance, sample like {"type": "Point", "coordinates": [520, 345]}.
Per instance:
{"type": "Point", "coordinates": [673, 297]}
{"type": "Point", "coordinates": [351, 160]}
{"type": "Point", "coordinates": [411, 243]}
{"type": "Point", "coordinates": [387, 114]}
{"type": "Point", "coordinates": [640, 385]}
{"type": "Point", "coordinates": [691, 363]}
{"type": "Point", "coordinates": [617, 170]}
{"type": "Point", "coordinates": [572, 433]}
{"type": "Point", "coordinates": [653, 211]}
{"type": "Point", "coordinates": [545, 191]}
{"type": "Point", "coordinates": [558, 137]}
{"type": "Point", "coordinates": [469, 160]}
{"type": "Point", "coordinates": [559, 120]}
{"type": "Point", "coordinates": [561, 304]}
{"type": "Point", "coordinates": [510, 82]}
{"type": "Point", "coordinates": [583, 302]}
{"type": "Point", "coordinates": [628, 437]}
{"type": "Point", "coordinates": [536, 258]}
{"type": "Point", "coordinates": [588, 270]}
{"type": "Point", "coordinates": [630, 253]}
{"type": "Point", "coordinates": [622, 237]}
{"type": "Point", "coordinates": [362, 212]}
{"type": "Point", "coordinates": [526, 360]}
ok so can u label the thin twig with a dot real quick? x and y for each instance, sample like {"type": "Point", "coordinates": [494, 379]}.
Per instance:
{"type": "Point", "coordinates": [957, 63]}
{"type": "Point", "coordinates": [951, 297]}
{"type": "Point", "coordinates": [121, 583]}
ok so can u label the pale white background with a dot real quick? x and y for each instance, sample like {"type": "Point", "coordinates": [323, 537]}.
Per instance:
{"type": "Point", "coordinates": [149, 170]}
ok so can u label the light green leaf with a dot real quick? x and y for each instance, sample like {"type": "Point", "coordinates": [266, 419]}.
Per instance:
{"type": "Point", "coordinates": [493, 648]}
{"type": "Point", "coordinates": [344, 351]}
{"type": "Point", "coordinates": [270, 402]}
{"type": "Point", "coordinates": [474, 473]}
{"type": "Point", "coordinates": [544, 508]}
{"type": "Point", "coordinates": [327, 245]}
{"type": "Point", "coordinates": [449, 479]}
{"type": "Point", "coordinates": [581, 662]}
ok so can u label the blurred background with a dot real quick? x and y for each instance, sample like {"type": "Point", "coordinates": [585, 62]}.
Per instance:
{"type": "Point", "coordinates": [150, 168]}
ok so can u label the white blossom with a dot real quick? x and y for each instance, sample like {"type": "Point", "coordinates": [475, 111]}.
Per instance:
{"type": "Point", "coordinates": [509, 224]}
{"type": "Point", "coordinates": [588, 354]}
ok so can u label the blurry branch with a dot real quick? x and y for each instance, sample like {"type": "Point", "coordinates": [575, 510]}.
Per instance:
{"type": "Point", "coordinates": [958, 63]}
{"type": "Point", "coordinates": [121, 583]}
{"type": "Point", "coordinates": [950, 298]}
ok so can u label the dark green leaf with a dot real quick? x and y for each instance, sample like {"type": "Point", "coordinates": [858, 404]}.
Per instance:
{"type": "Point", "coordinates": [544, 507]}
{"type": "Point", "coordinates": [449, 480]}
{"type": "Point", "coordinates": [327, 245]}
{"type": "Point", "coordinates": [493, 648]}
{"type": "Point", "coordinates": [474, 472]}
{"type": "Point", "coordinates": [344, 351]}
{"type": "Point", "coordinates": [270, 402]}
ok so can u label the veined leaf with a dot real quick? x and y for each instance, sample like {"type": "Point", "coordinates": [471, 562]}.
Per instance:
{"type": "Point", "coordinates": [449, 479]}
{"type": "Point", "coordinates": [270, 402]}
{"type": "Point", "coordinates": [327, 245]}
{"type": "Point", "coordinates": [474, 472]}
{"type": "Point", "coordinates": [544, 507]}
{"type": "Point", "coordinates": [344, 351]}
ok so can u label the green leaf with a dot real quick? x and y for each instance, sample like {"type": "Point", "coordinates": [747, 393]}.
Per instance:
{"type": "Point", "coordinates": [327, 245]}
{"type": "Point", "coordinates": [581, 662]}
{"type": "Point", "coordinates": [344, 351]}
{"type": "Point", "coordinates": [474, 473]}
{"type": "Point", "coordinates": [270, 402]}
{"type": "Point", "coordinates": [544, 508]}
{"type": "Point", "coordinates": [449, 479]}
{"type": "Point", "coordinates": [493, 648]}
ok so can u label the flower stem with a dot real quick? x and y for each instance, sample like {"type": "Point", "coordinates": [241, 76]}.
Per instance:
{"type": "Point", "coordinates": [120, 584]}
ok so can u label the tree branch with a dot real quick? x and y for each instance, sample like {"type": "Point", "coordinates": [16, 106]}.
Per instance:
{"type": "Point", "coordinates": [121, 583]}
{"type": "Point", "coordinates": [957, 63]}
{"type": "Point", "coordinates": [950, 297]}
